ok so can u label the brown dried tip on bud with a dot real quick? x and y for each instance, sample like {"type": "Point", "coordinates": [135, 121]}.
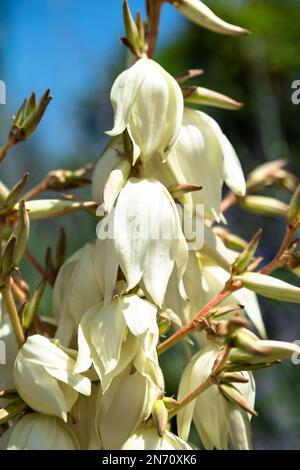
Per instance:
{"type": "Point", "coordinates": [184, 76]}
{"type": "Point", "coordinates": [205, 97]}
{"type": "Point", "coordinates": [294, 209]}
{"type": "Point", "coordinates": [263, 205]}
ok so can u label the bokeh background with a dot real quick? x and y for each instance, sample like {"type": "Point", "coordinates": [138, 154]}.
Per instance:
{"type": "Point", "coordinates": [73, 47]}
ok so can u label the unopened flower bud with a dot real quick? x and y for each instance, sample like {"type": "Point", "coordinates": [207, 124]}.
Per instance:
{"type": "Point", "coordinates": [270, 287]}
{"type": "Point", "coordinates": [245, 258]}
{"type": "Point", "coordinates": [21, 232]}
{"type": "Point", "coordinates": [266, 174]}
{"type": "Point", "coordinates": [264, 205]}
{"type": "Point", "coordinates": [199, 13]}
{"type": "Point", "coordinates": [232, 241]}
{"type": "Point", "coordinates": [133, 38]}
{"type": "Point", "coordinates": [205, 97]}
{"type": "Point", "coordinates": [14, 194]}
{"type": "Point", "coordinates": [114, 183]}
{"type": "Point", "coordinates": [48, 208]}
{"type": "Point", "coordinates": [233, 394]}
{"type": "Point", "coordinates": [277, 351]}
{"type": "Point", "coordinates": [160, 416]}
{"type": "Point", "coordinates": [28, 117]}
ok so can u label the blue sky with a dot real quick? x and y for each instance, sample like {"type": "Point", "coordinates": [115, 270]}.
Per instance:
{"type": "Point", "coordinates": [62, 44]}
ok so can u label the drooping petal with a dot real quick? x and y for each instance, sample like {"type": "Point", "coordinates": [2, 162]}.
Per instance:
{"type": "Point", "coordinates": [148, 236]}
{"type": "Point", "coordinates": [195, 373]}
{"type": "Point", "coordinates": [123, 94]}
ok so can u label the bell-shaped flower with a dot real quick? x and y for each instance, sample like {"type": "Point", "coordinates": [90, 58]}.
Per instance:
{"type": "Point", "coordinates": [124, 407]}
{"type": "Point", "coordinates": [40, 432]}
{"type": "Point", "coordinates": [209, 411]}
{"type": "Point", "coordinates": [148, 102]}
{"type": "Point", "coordinates": [112, 338]}
{"type": "Point", "coordinates": [147, 438]}
{"type": "Point", "coordinates": [44, 377]}
{"type": "Point", "coordinates": [8, 352]}
{"type": "Point", "coordinates": [202, 156]}
{"type": "Point", "coordinates": [199, 13]}
{"type": "Point", "coordinates": [76, 289]}
{"type": "Point", "coordinates": [147, 237]}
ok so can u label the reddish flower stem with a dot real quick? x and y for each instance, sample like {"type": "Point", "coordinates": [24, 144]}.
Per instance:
{"type": "Point", "coordinates": [193, 324]}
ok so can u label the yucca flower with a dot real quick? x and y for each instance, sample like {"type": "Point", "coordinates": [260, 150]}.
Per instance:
{"type": "Point", "coordinates": [146, 240]}
{"type": "Point", "coordinates": [76, 289]}
{"type": "Point", "coordinates": [112, 338]}
{"type": "Point", "coordinates": [36, 431]}
{"type": "Point", "coordinates": [210, 410]}
{"type": "Point", "coordinates": [44, 377]}
{"type": "Point", "coordinates": [148, 102]}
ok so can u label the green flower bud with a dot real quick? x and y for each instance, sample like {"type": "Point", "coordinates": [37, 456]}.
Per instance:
{"type": "Point", "coordinates": [270, 287]}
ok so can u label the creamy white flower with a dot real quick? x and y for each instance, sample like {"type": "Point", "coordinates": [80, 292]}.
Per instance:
{"type": "Point", "coordinates": [40, 432]}
{"type": "Point", "coordinates": [125, 332]}
{"type": "Point", "coordinates": [76, 289]}
{"type": "Point", "coordinates": [127, 403]}
{"type": "Point", "coordinates": [148, 439]}
{"type": "Point", "coordinates": [209, 410]}
{"type": "Point", "coordinates": [44, 377]}
{"type": "Point", "coordinates": [204, 156]}
{"type": "Point", "coordinates": [148, 102]}
{"type": "Point", "coordinates": [199, 13]}
{"type": "Point", "coordinates": [8, 353]}
{"type": "Point", "coordinates": [148, 237]}
{"type": "Point", "coordinates": [83, 420]}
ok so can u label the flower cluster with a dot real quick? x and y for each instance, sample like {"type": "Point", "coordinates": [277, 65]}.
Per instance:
{"type": "Point", "coordinates": [96, 383]}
